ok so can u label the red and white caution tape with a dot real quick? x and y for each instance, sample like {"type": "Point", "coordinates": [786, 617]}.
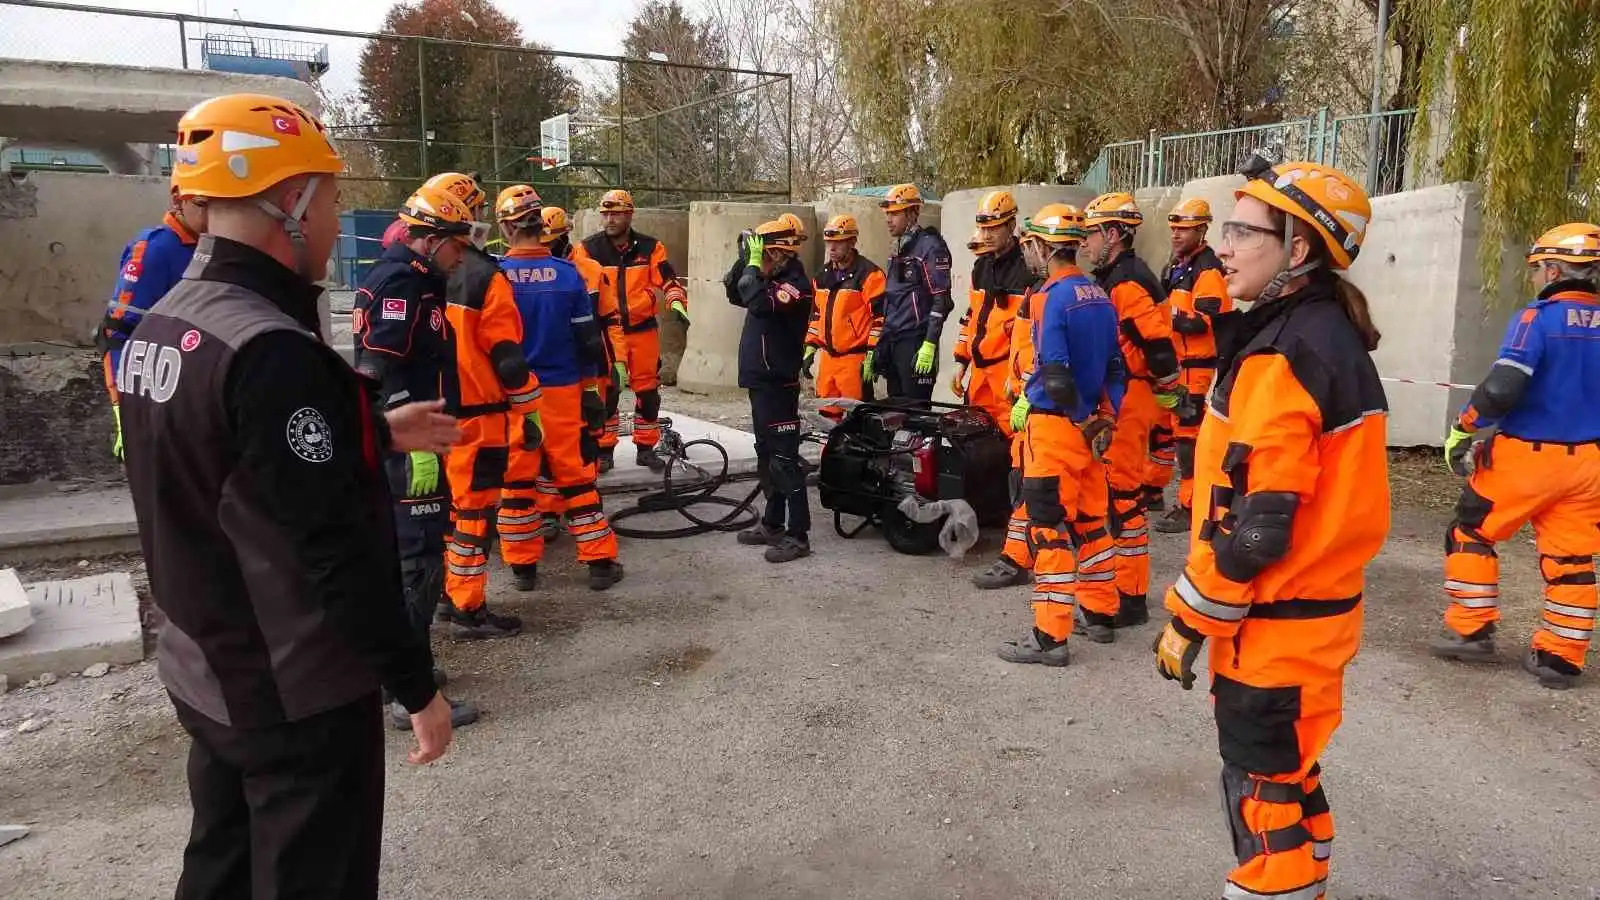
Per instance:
{"type": "Point", "coordinates": [1443, 384]}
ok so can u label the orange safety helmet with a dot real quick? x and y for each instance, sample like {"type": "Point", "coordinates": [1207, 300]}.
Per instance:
{"type": "Point", "coordinates": [463, 187]}
{"type": "Point", "coordinates": [841, 228]}
{"type": "Point", "coordinates": [516, 203]}
{"type": "Point", "coordinates": [901, 196]}
{"type": "Point", "coordinates": [1321, 196]}
{"type": "Point", "coordinates": [793, 221]}
{"type": "Point", "coordinates": [238, 145]}
{"type": "Point", "coordinates": [616, 200]}
{"type": "Point", "coordinates": [1574, 242]}
{"type": "Point", "coordinates": [437, 209]}
{"type": "Point", "coordinates": [1055, 223]}
{"type": "Point", "coordinates": [1191, 213]}
{"type": "Point", "coordinates": [555, 224]}
{"type": "Point", "coordinates": [779, 235]}
{"type": "Point", "coordinates": [1118, 207]}
{"type": "Point", "coordinates": [996, 208]}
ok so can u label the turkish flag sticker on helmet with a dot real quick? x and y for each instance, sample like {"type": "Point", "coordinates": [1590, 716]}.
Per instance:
{"type": "Point", "coordinates": [285, 125]}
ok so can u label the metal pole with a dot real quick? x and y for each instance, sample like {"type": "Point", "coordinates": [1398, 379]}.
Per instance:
{"type": "Point", "coordinates": [716, 149]}
{"type": "Point", "coordinates": [422, 111]}
{"type": "Point", "coordinates": [494, 118]}
{"type": "Point", "coordinates": [622, 131]}
{"type": "Point", "coordinates": [658, 153]}
{"type": "Point", "coordinates": [1380, 46]}
{"type": "Point", "coordinates": [790, 146]}
{"type": "Point", "coordinates": [183, 42]}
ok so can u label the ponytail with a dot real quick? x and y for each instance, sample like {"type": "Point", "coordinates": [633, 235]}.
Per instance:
{"type": "Point", "coordinates": [1355, 306]}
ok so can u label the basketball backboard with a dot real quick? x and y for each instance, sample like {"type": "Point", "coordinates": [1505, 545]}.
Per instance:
{"type": "Point", "coordinates": [555, 140]}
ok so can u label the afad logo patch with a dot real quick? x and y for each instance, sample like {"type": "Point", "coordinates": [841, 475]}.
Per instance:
{"type": "Point", "coordinates": [191, 340]}
{"type": "Point", "coordinates": [436, 321]}
{"type": "Point", "coordinates": [131, 271]}
{"type": "Point", "coordinates": [394, 308]}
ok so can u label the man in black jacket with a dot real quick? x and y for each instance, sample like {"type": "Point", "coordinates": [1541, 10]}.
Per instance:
{"type": "Point", "coordinates": [770, 283]}
{"type": "Point", "coordinates": [254, 459]}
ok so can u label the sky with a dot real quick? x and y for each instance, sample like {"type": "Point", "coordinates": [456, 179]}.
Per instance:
{"type": "Point", "coordinates": [588, 26]}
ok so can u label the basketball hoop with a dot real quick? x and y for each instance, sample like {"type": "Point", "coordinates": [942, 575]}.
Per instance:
{"type": "Point", "coordinates": [545, 162]}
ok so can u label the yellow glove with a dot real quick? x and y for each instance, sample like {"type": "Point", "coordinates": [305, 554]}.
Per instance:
{"type": "Point", "coordinates": [532, 431]}
{"type": "Point", "coordinates": [621, 372]}
{"type": "Point", "coordinates": [116, 414]}
{"type": "Point", "coordinates": [1169, 398]}
{"type": "Point", "coordinates": [1176, 650]}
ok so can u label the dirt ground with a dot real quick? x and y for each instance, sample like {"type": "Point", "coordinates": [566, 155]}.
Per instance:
{"type": "Point", "coordinates": [840, 727]}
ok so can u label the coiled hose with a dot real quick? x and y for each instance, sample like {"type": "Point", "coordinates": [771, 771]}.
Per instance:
{"type": "Point", "coordinates": [683, 498]}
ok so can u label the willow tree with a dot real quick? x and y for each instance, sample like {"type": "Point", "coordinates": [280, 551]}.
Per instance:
{"type": "Point", "coordinates": [1519, 83]}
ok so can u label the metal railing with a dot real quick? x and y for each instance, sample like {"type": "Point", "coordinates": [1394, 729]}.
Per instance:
{"type": "Point", "coordinates": [1374, 149]}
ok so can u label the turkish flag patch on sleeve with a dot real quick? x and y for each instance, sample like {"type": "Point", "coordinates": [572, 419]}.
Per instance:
{"type": "Point", "coordinates": [394, 308]}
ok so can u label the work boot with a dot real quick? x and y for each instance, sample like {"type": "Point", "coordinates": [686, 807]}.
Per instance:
{"type": "Point", "coordinates": [760, 534]}
{"type": "Point", "coordinates": [787, 548]}
{"type": "Point", "coordinates": [1002, 574]}
{"type": "Point", "coordinates": [647, 456]}
{"type": "Point", "coordinates": [1552, 671]}
{"type": "Point", "coordinates": [1036, 647]}
{"type": "Point", "coordinates": [551, 530]}
{"type": "Point", "coordinates": [603, 574]}
{"type": "Point", "coordinates": [1155, 499]}
{"type": "Point", "coordinates": [462, 714]}
{"type": "Point", "coordinates": [607, 460]}
{"type": "Point", "coordinates": [526, 576]}
{"type": "Point", "coordinates": [1176, 521]}
{"type": "Point", "coordinates": [479, 624]}
{"type": "Point", "coordinates": [1476, 647]}
{"type": "Point", "coordinates": [1134, 610]}
{"type": "Point", "coordinates": [1097, 627]}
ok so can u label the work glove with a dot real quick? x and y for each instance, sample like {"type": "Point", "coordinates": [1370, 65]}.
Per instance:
{"type": "Point", "coordinates": [869, 373]}
{"type": "Point", "coordinates": [422, 473]}
{"type": "Point", "coordinates": [532, 431]}
{"type": "Point", "coordinates": [958, 383]}
{"type": "Point", "coordinates": [116, 415]}
{"type": "Point", "coordinates": [925, 357]}
{"type": "Point", "coordinates": [753, 248]}
{"type": "Point", "coordinates": [1464, 454]}
{"type": "Point", "coordinates": [620, 371]}
{"type": "Point", "coordinates": [1098, 431]}
{"type": "Point", "coordinates": [1169, 397]}
{"type": "Point", "coordinates": [1186, 323]}
{"type": "Point", "coordinates": [593, 407]}
{"type": "Point", "coordinates": [1019, 413]}
{"type": "Point", "coordinates": [1176, 649]}
{"type": "Point", "coordinates": [810, 354]}
{"type": "Point", "coordinates": [682, 311]}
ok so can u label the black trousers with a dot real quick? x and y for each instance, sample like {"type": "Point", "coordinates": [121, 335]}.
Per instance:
{"type": "Point", "coordinates": [775, 411]}
{"type": "Point", "coordinates": [897, 363]}
{"type": "Point", "coordinates": [420, 525]}
{"type": "Point", "coordinates": [293, 810]}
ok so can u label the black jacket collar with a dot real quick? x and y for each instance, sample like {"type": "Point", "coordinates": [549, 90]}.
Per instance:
{"type": "Point", "coordinates": [228, 261]}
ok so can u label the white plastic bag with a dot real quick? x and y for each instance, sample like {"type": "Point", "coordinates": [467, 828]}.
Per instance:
{"type": "Point", "coordinates": [960, 530]}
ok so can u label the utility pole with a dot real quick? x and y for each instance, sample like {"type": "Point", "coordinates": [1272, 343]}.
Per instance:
{"type": "Point", "coordinates": [1380, 49]}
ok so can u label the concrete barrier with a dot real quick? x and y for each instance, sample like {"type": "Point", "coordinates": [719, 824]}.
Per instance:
{"type": "Point", "coordinates": [875, 242]}
{"type": "Point", "coordinates": [960, 211]}
{"type": "Point", "coordinates": [712, 357]}
{"type": "Point", "coordinates": [671, 227]}
{"type": "Point", "coordinates": [1419, 270]}
{"type": "Point", "coordinates": [1153, 243]}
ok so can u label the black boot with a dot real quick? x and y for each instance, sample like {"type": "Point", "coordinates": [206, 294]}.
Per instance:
{"type": "Point", "coordinates": [1176, 521]}
{"type": "Point", "coordinates": [607, 460]}
{"type": "Point", "coordinates": [1155, 499]}
{"type": "Point", "coordinates": [603, 574]}
{"type": "Point", "coordinates": [478, 624]}
{"type": "Point", "coordinates": [647, 456]}
{"type": "Point", "coordinates": [1036, 647]}
{"type": "Point", "coordinates": [760, 534]}
{"type": "Point", "coordinates": [1097, 627]}
{"type": "Point", "coordinates": [1475, 647]}
{"type": "Point", "coordinates": [1002, 574]}
{"type": "Point", "coordinates": [1552, 671]}
{"type": "Point", "coordinates": [526, 576]}
{"type": "Point", "coordinates": [788, 548]}
{"type": "Point", "coordinates": [1134, 610]}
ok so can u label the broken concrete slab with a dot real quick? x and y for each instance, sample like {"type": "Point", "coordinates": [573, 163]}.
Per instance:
{"type": "Point", "coordinates": [9, 833]}
{"type": "Point", "coordinates": [15, 612]}
{"type": "Point", "coordinates": [77, 623]}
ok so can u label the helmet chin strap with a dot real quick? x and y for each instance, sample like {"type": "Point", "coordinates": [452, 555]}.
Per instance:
{"type": "Point", "coordinates": [1287, 272]}
{"type": "Point", "coordinates": [1104, 254]}
{"type": "Point", "coordinates": [291, 222]}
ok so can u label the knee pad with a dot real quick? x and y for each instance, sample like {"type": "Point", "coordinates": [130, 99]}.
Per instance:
{"type": "Point", "coordinates": [1185, 454]}
{"type": "Point", "coordinates": [588, 446]}
{"type": "Point", "coordinates": [1236, 787]}
{"type": "Point", "coordinates": [648, 404]}
{"type": "Point", "coordinates": [1472, 509]}
{"type": "Point", "coordinates": [1041, 497]}
{"type": "Point", "coordinates": [1014, 487]}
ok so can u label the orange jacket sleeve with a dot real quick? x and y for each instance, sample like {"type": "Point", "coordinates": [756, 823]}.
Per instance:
{"type": "Point", "coordinates": [666, 277]}
{"type": "Point", "coordinates": [1147, 326]}
{"type": "Point", "coordinates": [499, 336]}
{"type": "Point", "coordinates": [873, 287]}
{"type": "Point", "coordinates": [963, 352]}
{"type": "Point", "coordinates": [814, 328]}
{"type": "Point", "coordinates": [1274, 429]}
{"type": "Point", "coordinates": [605, 305]}
{"type": "Point", "coordinates": [1211, 293]}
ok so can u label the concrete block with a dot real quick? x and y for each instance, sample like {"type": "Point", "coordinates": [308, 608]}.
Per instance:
{"type": "Point", "coordinates": [87, 103]}
{"type": "Point", "coordinates": [875, 242]}
{"type": "Point", "coordinates": [670, 226]}
{"type": "Point", "coordinates": [960, 212]}
{"type": "Point", "coordinates": [1419, 270]}
{"type": "Point", "coordinates": [15, 612]}
{"type": "Point", "coordinates": [9, 833]}
{"type": "Point", "coordinates": [712, 356]}
{"type": "Point", "coordinates": [1153, 243]}
{"type": "Point", "coordinates": [77, 623]}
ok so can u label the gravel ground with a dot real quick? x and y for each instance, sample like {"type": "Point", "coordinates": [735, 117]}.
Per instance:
{"type": "Point", "coordinates": [840, 727]}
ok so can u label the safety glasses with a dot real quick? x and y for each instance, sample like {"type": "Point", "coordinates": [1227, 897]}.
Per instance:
{"type": "Point", "coordinates": [1245, 236]}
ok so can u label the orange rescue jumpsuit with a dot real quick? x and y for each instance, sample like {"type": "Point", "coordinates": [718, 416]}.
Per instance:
{"type": "Point", "coordinates": [845, 323]}
{"type": "Point", "coordinates": [1020, 368]}
{"type": "Point", "coordinates": [642, 282]}
{"type": "Point", "coordinates": [491, 392]}
{"type": "Point", "coordinates": [1198, 294]}
{"type": "Point", "coordinates": [1000, 281]}
{"type": "Point", "coordinates": [1145, 331]}
{"type": "Point", "coordinates": [1292, 455]}
{"type": "Point", "coordinates": [605, 310]}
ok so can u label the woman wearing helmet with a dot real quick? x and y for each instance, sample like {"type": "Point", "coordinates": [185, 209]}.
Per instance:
{"type": "Point", "coordinates": [1546, 452]}
{"type": "Point", "coordinates": [1293, 467]}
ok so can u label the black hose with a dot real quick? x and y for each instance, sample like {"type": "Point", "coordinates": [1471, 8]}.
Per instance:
{"type": "Point", "coordinates": [684, 499]}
